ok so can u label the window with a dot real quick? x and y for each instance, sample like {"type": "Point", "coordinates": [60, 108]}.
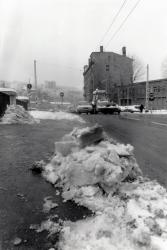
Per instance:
{"type": "Point", "coordinates": [154, 89]}
{"type": "Point", "coordinates": [107, 67]}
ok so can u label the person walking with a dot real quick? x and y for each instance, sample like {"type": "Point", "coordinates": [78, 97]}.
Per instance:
{"type": "Point", "coordinates": [141, 108]}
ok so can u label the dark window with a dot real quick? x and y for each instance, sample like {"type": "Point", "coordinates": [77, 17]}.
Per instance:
{"type": "Point", "coordinates": [107, 67]}
{"type": "Point", "coordinates": [155, 89]}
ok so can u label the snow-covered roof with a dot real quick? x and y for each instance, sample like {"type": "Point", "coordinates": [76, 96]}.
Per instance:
{"type": "Point", "coordinates": [8, 91]}
{"type": "Point", "coordinates": [22, 98]}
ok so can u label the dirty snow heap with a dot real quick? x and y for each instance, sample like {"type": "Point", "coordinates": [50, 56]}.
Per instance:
{"type": "Point", "coordinates": [17, 114]}
{"type": "Point", "coordinates": [130, 211]}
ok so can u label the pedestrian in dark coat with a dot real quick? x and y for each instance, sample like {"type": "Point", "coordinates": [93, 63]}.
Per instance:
{"type": "Point", "coordinates": [141, 108]}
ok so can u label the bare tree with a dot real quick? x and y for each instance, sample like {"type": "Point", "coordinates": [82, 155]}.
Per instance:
{"type": "Point", "coordinates": [138, 69]}
{"type": "Point", "coordinates": [164, 68]}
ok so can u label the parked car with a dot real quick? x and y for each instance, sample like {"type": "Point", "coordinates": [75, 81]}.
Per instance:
{"type": "Point", "coordinates": [130, 108]}
{"type": "Point", "coordinates": [84, 107]}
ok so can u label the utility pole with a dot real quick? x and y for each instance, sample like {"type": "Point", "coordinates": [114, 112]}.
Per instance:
{"type": "Point", "coordinates": [35, 75]}
{"type": "Point", "coordinates": [147, 87]}
{"type": "Point", "coordinates": [35, 82]}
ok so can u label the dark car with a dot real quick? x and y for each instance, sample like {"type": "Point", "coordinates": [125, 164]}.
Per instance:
{"type": "Point", "coordinates": [109, 109]}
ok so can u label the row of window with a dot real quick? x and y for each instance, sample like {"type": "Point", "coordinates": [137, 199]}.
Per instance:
{"type": "Point", "coordinates": [141, 91]}
{"type": "Point", "coordinates": [157, 89]}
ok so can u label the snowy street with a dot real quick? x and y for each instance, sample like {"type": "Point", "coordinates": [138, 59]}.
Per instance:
{"type": "Point", "coordinates": [83, 125]}
{"type": "Point", "coordinates": [27, 200]}
{"type": "Point", "coordinates": [148, 136]}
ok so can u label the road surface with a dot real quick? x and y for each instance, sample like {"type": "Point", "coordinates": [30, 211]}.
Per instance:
{"type": "Point", "coordinates": [21, 192]}
{"type": "Point", "coordinates": [148, 135]}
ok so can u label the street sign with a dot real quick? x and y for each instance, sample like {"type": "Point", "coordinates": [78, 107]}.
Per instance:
{"type": "Point", "coordinates": [61, 94]}
{"type": "Point", "coordinates": [29, 86]}
{"type": "Point", "coordinates": [151, 96]}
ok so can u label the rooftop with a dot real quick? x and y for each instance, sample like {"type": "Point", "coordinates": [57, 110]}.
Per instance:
{"type": "Point", "coordinates": [8, 91]}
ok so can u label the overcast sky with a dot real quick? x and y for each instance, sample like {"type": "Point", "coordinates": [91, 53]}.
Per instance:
{"type": "Point", "coordinates": [61, 34]}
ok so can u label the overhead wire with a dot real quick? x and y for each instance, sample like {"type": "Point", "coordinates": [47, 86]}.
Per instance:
{"type": "Point", "coordinates": [119, 28]}
{"type": "Point", "coordinates": [113, 21]}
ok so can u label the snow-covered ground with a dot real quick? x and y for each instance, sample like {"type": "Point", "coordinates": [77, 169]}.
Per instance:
{"type": "Point", "coordinates": [158, 112]}
{"type": "Point", "coordinates": [16, 114]}
{"type": "Point", "coordinates": [155, 112]}
{"type": "Point", "coordinates": [60, 103]}
{"type": "Point", "coordinates": [57, 115]}
{"type": "Point", "coordinates": [135, 109]}
{"type": "Point", "coordinates": [130, 211]}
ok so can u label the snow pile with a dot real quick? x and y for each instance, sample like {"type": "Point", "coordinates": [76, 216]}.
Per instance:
{"type": "Point", "coordinates": [47, 225]}
{"type": "Point", "coordinates": [58, 115]}
{"type": "Point", "coordinates": [133, 219]}
{"type": "Point", "coordinates": [17, 114]}
{"type": "Point", "coordinates": [48, 204]}
{"type": "Point", "coordinates": [130, 211]}
{"type": "Point", "coordinates": [158, 112]}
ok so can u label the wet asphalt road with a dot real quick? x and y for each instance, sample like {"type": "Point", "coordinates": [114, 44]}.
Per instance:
{"type": "Point", "coordinates": [148, 135]}
{"type": "Point", "coordinates": [21, 192]}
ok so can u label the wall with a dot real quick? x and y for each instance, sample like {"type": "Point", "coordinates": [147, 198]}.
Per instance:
{"type": "Point", "coordinates": [112, 69]}
{"type": "Point", "coordinates": [4, 101]}
{"type": "Point", "coordinates": [12, 99]}
{"type": "Point", "coordinates": [89, 84]}
{"type": "Point", "coordinates": [136, 94]}
{"type": "Point", "coordinates": [105, 70]}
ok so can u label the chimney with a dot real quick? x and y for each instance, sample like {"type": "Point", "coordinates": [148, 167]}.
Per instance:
{"type": "Point", "coordinates": [124, 51]}
{"type": "Point", "coordinates": [89, 61]}
{"type": "Point", "coordinates": [101, 48]}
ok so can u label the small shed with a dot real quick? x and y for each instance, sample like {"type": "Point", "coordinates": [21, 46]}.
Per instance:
{"type": "Point", "coordinates": [22, 101]}
{"type": "Point", "coordinates": [7, 97]}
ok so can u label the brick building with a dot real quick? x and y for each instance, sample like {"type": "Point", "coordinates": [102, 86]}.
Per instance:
{"type": "Point", "coordinates": [107, 70]}
{"type": "Point", "coordinates": [136, 94]}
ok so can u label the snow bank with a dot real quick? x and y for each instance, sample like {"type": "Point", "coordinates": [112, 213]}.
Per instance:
{"type": "Point", "coordinates": [47, 225]}
{"type": "Point", "coordinates": [158, 112]}
{"type": "Point", "coordinates": [130, 210]}
{"type": "Point", "coordinates": [48, 204]}
{"type": "Point", "coordinates": [17, 114]}
{"type": "Point", "coordinates": [59, 115]}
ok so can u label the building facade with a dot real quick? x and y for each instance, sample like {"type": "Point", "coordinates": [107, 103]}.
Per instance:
{"type": "Point", "coordinates": [136, 94]}
{"type": "Point", "coordinates": [105, 71]}
{"type": "Point", "coordinates": [50, 85]}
